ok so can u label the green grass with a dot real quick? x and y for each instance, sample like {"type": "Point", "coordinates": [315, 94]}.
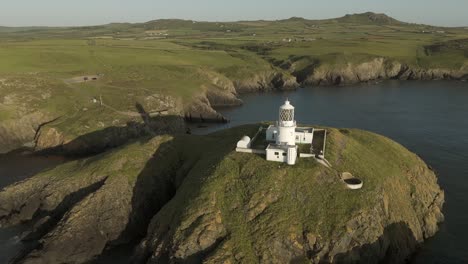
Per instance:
{"type": "Point", "coordinates": [122, 162]}
{"type": "Point", "coordinates": [183, 63]}
{"type": "Point", "coordinates": [304, 148]}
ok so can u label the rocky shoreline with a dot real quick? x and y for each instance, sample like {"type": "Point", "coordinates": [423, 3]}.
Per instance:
{"type": "Point", "coordinates": [290, 77]}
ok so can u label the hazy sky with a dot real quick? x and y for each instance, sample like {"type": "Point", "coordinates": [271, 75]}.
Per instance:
{"type": "Point", "coordinates": [92, 12]}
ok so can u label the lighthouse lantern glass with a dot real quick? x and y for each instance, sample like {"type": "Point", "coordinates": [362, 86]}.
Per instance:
{"type": "Point", "coordinates": [286, 115]}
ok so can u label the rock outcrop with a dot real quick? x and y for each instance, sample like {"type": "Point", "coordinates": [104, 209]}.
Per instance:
{"type": "Point", "coordinates": [224, 92]}
{"type": "Point", "coordinates": [375, 69]}
{"type": "Point", "coordinates": [16, 133]}
{"type": "Point", "coordinates": [266, 81]}
{"type": "Point", "coordinates": [193, 199]}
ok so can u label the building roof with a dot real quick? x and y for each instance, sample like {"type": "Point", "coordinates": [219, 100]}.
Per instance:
{"type": "Point", "coordinates": [245, 138]}
{"type": "Point", "coordinates": [305, 129]}
{"type": "Point", "coordinates": [287, 105]}
{"type": "Point", "coordinates": [274, 146]}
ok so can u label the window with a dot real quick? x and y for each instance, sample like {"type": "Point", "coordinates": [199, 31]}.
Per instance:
{"type": "Point", "coordinates": [284, 154]}
{"type": "Point", "coordinates": [276, 153]}
{"type": "Point", "coordinates": [297, 137]}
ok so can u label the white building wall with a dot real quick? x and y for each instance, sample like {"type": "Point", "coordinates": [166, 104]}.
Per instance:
{"type": "Point", "coordinates": [299, 137]}
{"type": "Point", "coordinates": [287, 135]}
{"type": "Point", "coordinates": [304, 137]}
{"type": "Point", "coordinates": [287, 155]}
{"type": "Point", "coordinates": [292, 155]}
{"type": "Point", "coordinates": [278, 155]}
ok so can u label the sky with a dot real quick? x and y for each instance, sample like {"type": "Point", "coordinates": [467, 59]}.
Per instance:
{"type": "Point", "coordinates": [95, 12]}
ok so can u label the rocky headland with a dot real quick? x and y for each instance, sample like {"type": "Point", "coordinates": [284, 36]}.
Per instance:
{"type": "Point", "coordinates": [188, 199]}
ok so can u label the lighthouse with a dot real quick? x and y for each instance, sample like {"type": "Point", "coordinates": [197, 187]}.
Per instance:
{"type": "Point", "coordinates": [282, 137]}
{"type": "Point", "coordinates": [286, 125]}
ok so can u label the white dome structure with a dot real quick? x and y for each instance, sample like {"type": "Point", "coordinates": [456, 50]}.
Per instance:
{"type": "Point", "coordinates": [244, 142]}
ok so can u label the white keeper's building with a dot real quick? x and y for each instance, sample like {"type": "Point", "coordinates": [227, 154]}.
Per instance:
{"type": "Point", "coordinates": [283, 137]}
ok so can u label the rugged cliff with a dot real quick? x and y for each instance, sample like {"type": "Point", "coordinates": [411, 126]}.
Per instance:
{"type": "Point", "coordinates": [266, 81]}
{"type": "Point", "coordinates": [224, 92]}
{"type": "Point", "coordinates": [306, 71]}
{"type": "Point", "coordinates": [192, 198]}
{"type": "Point", "coordinates": [15, 133]}
{"type": "Point", "coordinates": [379, 68]}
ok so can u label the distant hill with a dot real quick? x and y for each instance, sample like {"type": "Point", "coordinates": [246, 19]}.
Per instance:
{"type": "Point", "coordinates": [369, 17]}
{"type": "Point", "coordinates": [362, 18]}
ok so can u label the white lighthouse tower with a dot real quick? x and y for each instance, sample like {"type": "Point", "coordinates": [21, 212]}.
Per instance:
{"type": "Point", "coordinates": [286, 125]}
{"type": "Point", "coordinates": [283, 138]}
{"type": "Point", "coordinates": [283, 134]}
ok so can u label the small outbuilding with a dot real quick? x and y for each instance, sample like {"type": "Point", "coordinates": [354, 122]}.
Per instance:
{"type": "Point", "coordinates": [244, 142]}
{"type": "Point", "coordinates": [282, 153]}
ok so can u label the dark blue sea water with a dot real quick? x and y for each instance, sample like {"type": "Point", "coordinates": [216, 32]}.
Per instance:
{"type": "Point", "coordinates": [429, 118]}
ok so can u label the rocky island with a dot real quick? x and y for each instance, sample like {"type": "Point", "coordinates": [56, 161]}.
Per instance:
{"type": "Point", "coordinates": [185, 198]}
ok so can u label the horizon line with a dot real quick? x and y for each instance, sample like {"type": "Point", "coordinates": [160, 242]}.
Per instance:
{"type": "Point", "coordinates": [220, 21]}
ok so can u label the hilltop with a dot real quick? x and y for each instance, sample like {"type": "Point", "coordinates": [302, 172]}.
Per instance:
{"type": "Point", "coordinates": [370, 17]}
{"type": "Point", "coordinates": [185, 198]}
{"type": "Point", "coordinates": [150, 76]}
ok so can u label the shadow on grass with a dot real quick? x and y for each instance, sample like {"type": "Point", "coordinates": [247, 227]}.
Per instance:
{"type": "Point", "coordinates": [110, 137]}
{"type": "Point", "coordinates": [155, 186]}
{"type": "Point", "coordinates": [180, 165]}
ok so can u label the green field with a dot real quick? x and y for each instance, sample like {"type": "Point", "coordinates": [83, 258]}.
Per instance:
{"type": "Point", "coordinates": [182, 59]}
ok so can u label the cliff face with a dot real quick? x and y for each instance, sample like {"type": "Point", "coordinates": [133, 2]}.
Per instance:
{"type": "Point", "coordinates": [18, 132]}
{"type": "Point", "coordinates": [83, 207]}
{"type": "Point", "coordinates": [224, 92]}
{"type": "Point", "coordinates": [377, 68]}
{"type": "Point", "coordinates": [266, 81]}
{"type": "Point", "coordinates": [191, 198]}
